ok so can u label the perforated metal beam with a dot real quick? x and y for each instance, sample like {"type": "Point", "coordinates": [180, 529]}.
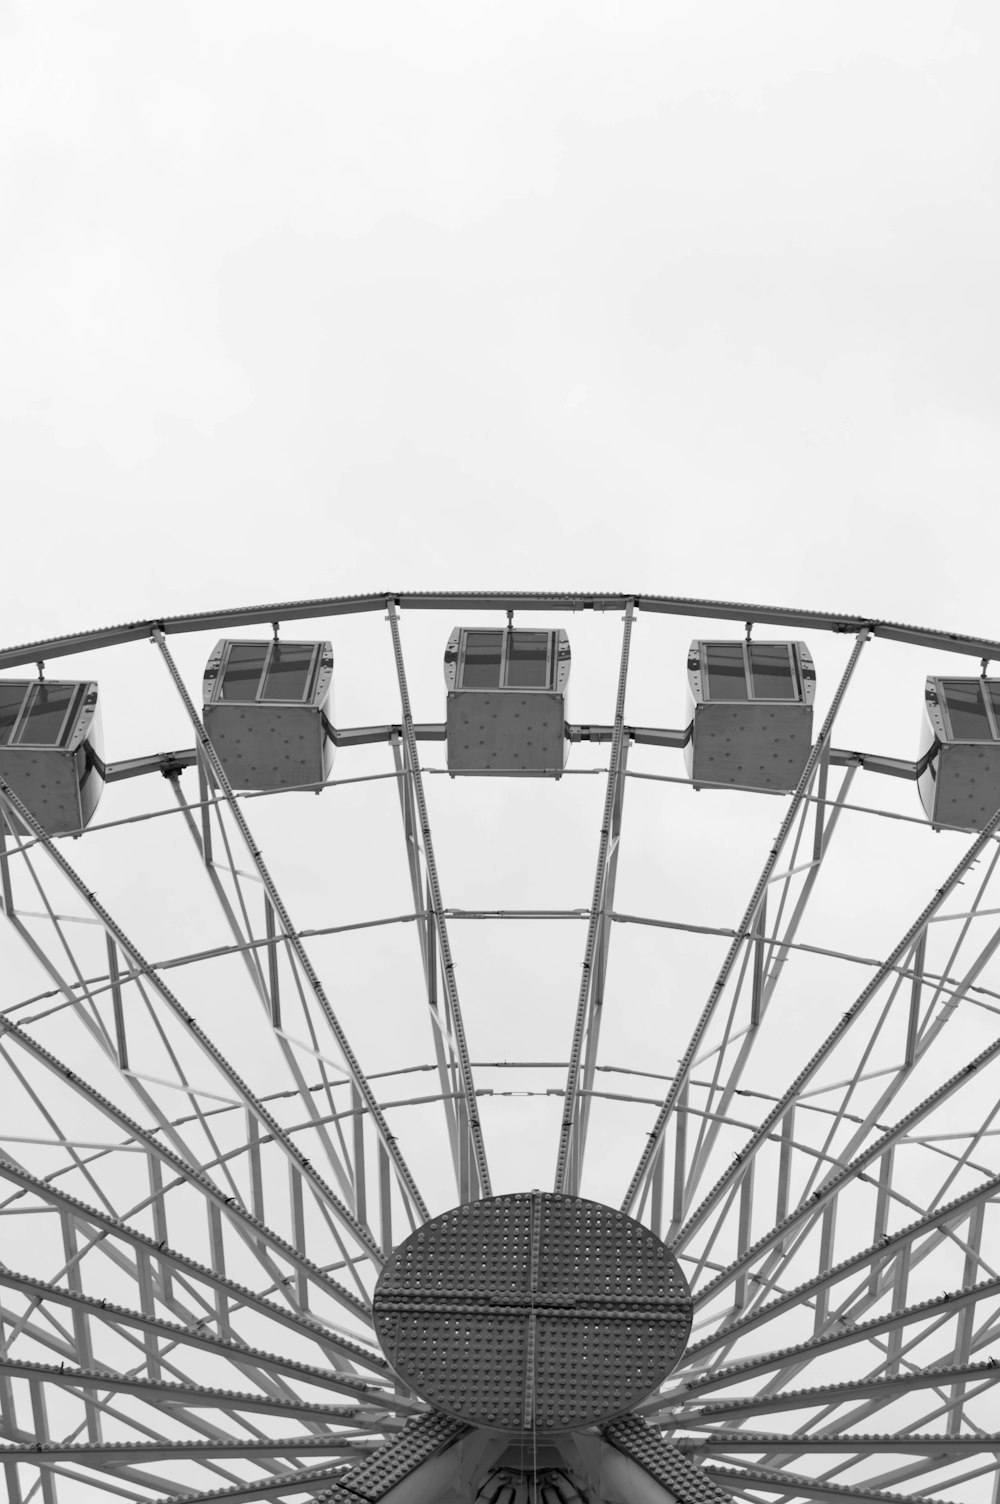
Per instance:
{"type": "Point", "coordinates": [586, 1024]}
{"type": "Point", "coordinates": [738, 611]}
{"type": "Point", "coordinates": [664, 1462]}
{"type": "Point", "coordinates": [827, 1395]}
{"type": "Point", "coordinates": [190, 1395]}
{"type": "Point", "coordinates": [314, 1480]}
{"type": "Point", "coordinates": [798, 1486]}
{"type": "Point", "coordinates": [437, 907]}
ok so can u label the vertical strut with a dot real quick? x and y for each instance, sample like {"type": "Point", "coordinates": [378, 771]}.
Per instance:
{"type": "Point", "coordinates": [456, 1118]}
{"type": "Point", "coordinates": [469, 1099]}
{"type": "Point", "coordinates": [572, 1136]}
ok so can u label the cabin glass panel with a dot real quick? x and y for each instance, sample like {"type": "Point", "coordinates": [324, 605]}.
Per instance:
{"type": "Point", "coordinates": [481, 660]}
{"type": "Point", "coordinates": [244, 666]}
{"type": "Point", "coordinates": [727, 674]}
{"type": "Point", "coordinates": [268, 671]}
{"type": "Point", "coordinates": [528, 660]}
{"type": "Point", "coordinates": [12, 697]}
{"type": "Point", "coordinates": [993, 690]}
{"type": "Point", "coordinates": [740, 671]}
{"type": "Point", "coordinates": [771, 671]}
{"type": "Point", "coordinates": [967, 710]}
{"type": "Point", "coordinates": [289, 671]}
{"type": "Point", "coordinates": [511, 659]}
{"type": "Point", "coordinates": [44, 719]}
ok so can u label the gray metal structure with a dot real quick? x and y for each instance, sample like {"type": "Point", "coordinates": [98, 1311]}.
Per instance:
{"type": "Point", "coordinates": [234, 1084]}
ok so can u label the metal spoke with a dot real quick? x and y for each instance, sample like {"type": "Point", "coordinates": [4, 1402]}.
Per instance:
{"type": "Point", "coordinates": [295, 1480]}
{"type": "Point", "coordinates": [445, 1046]}
{"type": "Point", "coordinates": [436, 906]}
{"type": "Point", "coordinates": [828, 1395]}
{"type": "Point", "coordinates": [194, 1395]}
{"type": "Point", "coordinates": [586, 1025]}
{"type": "Point", "coordinates": [797, 1486]}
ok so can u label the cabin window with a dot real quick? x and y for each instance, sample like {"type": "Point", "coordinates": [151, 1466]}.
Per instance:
{"type": "Point", "coordinates": [45, 715]}
{"type": "Point", "coordinates": [244, 667]}
{"type": "Point", "coordinates": [967, 713]}
{"type": "Point", "coordinates": [528, 660]}
{"type": "Point", "coordinates": [727, 674]}
{"type": "Point", "coordinates": [993, 690]}
{"type": "Point", "coordinates": [483, 656]}
{"type": "Point", "coordinates": [287, 676]}
{"type": "Point", "coordinates": [506, 660]}
{"type": "Point", "coordinates": [11, 700]}
{"type": "Point", "coordinates": [771, 671]}
{"type": "Point", "coordinates": [271, 671]}
{"type": "Point", "coordinates": [750, 671]}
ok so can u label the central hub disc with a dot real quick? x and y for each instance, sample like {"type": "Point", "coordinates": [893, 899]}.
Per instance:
{"type": "Point", "coordinates": [532, 1312]}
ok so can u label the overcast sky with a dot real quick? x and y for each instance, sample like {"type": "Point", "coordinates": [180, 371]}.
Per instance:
{"type": "Point", "coordinates": [696, 297]}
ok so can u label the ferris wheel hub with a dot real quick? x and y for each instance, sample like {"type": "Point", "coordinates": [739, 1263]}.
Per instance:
{"type": "Point", "coordinates": [533, 1312]}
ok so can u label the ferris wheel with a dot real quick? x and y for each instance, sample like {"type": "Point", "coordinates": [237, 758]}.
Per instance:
{"type": "Point", "coordinates": [507, 1047]}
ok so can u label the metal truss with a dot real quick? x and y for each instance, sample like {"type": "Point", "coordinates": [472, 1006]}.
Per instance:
{"type": "Point", "coordinates": [205, 1157]}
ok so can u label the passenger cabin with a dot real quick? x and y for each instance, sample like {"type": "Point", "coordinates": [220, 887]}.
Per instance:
{"type": "Point", "coordinates": [959, 777]}
{"type": "Point", "coordinates": [751, 713]}
{"type": "Point", "coordinates": [50, 750]}
{"type": "Point", "coordinates": [506, 700]}
{"type": "Point", "coordinates": [267, 708]}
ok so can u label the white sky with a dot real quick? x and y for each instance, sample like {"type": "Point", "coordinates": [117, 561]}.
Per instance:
{"type": "Point", "coordinates": [692, 298]}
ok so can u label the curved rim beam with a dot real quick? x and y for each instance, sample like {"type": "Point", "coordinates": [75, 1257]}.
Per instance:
{"type": "Point", "coordinates": [487, 600]}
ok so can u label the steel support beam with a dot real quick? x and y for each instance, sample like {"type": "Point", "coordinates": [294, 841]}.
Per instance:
{"type": "Point", "coordinates": [455, 1020]}
{"type": "Point", "coordinates": [737, 611]}
{"type": "Point", "coordinates": [590, 1000]}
